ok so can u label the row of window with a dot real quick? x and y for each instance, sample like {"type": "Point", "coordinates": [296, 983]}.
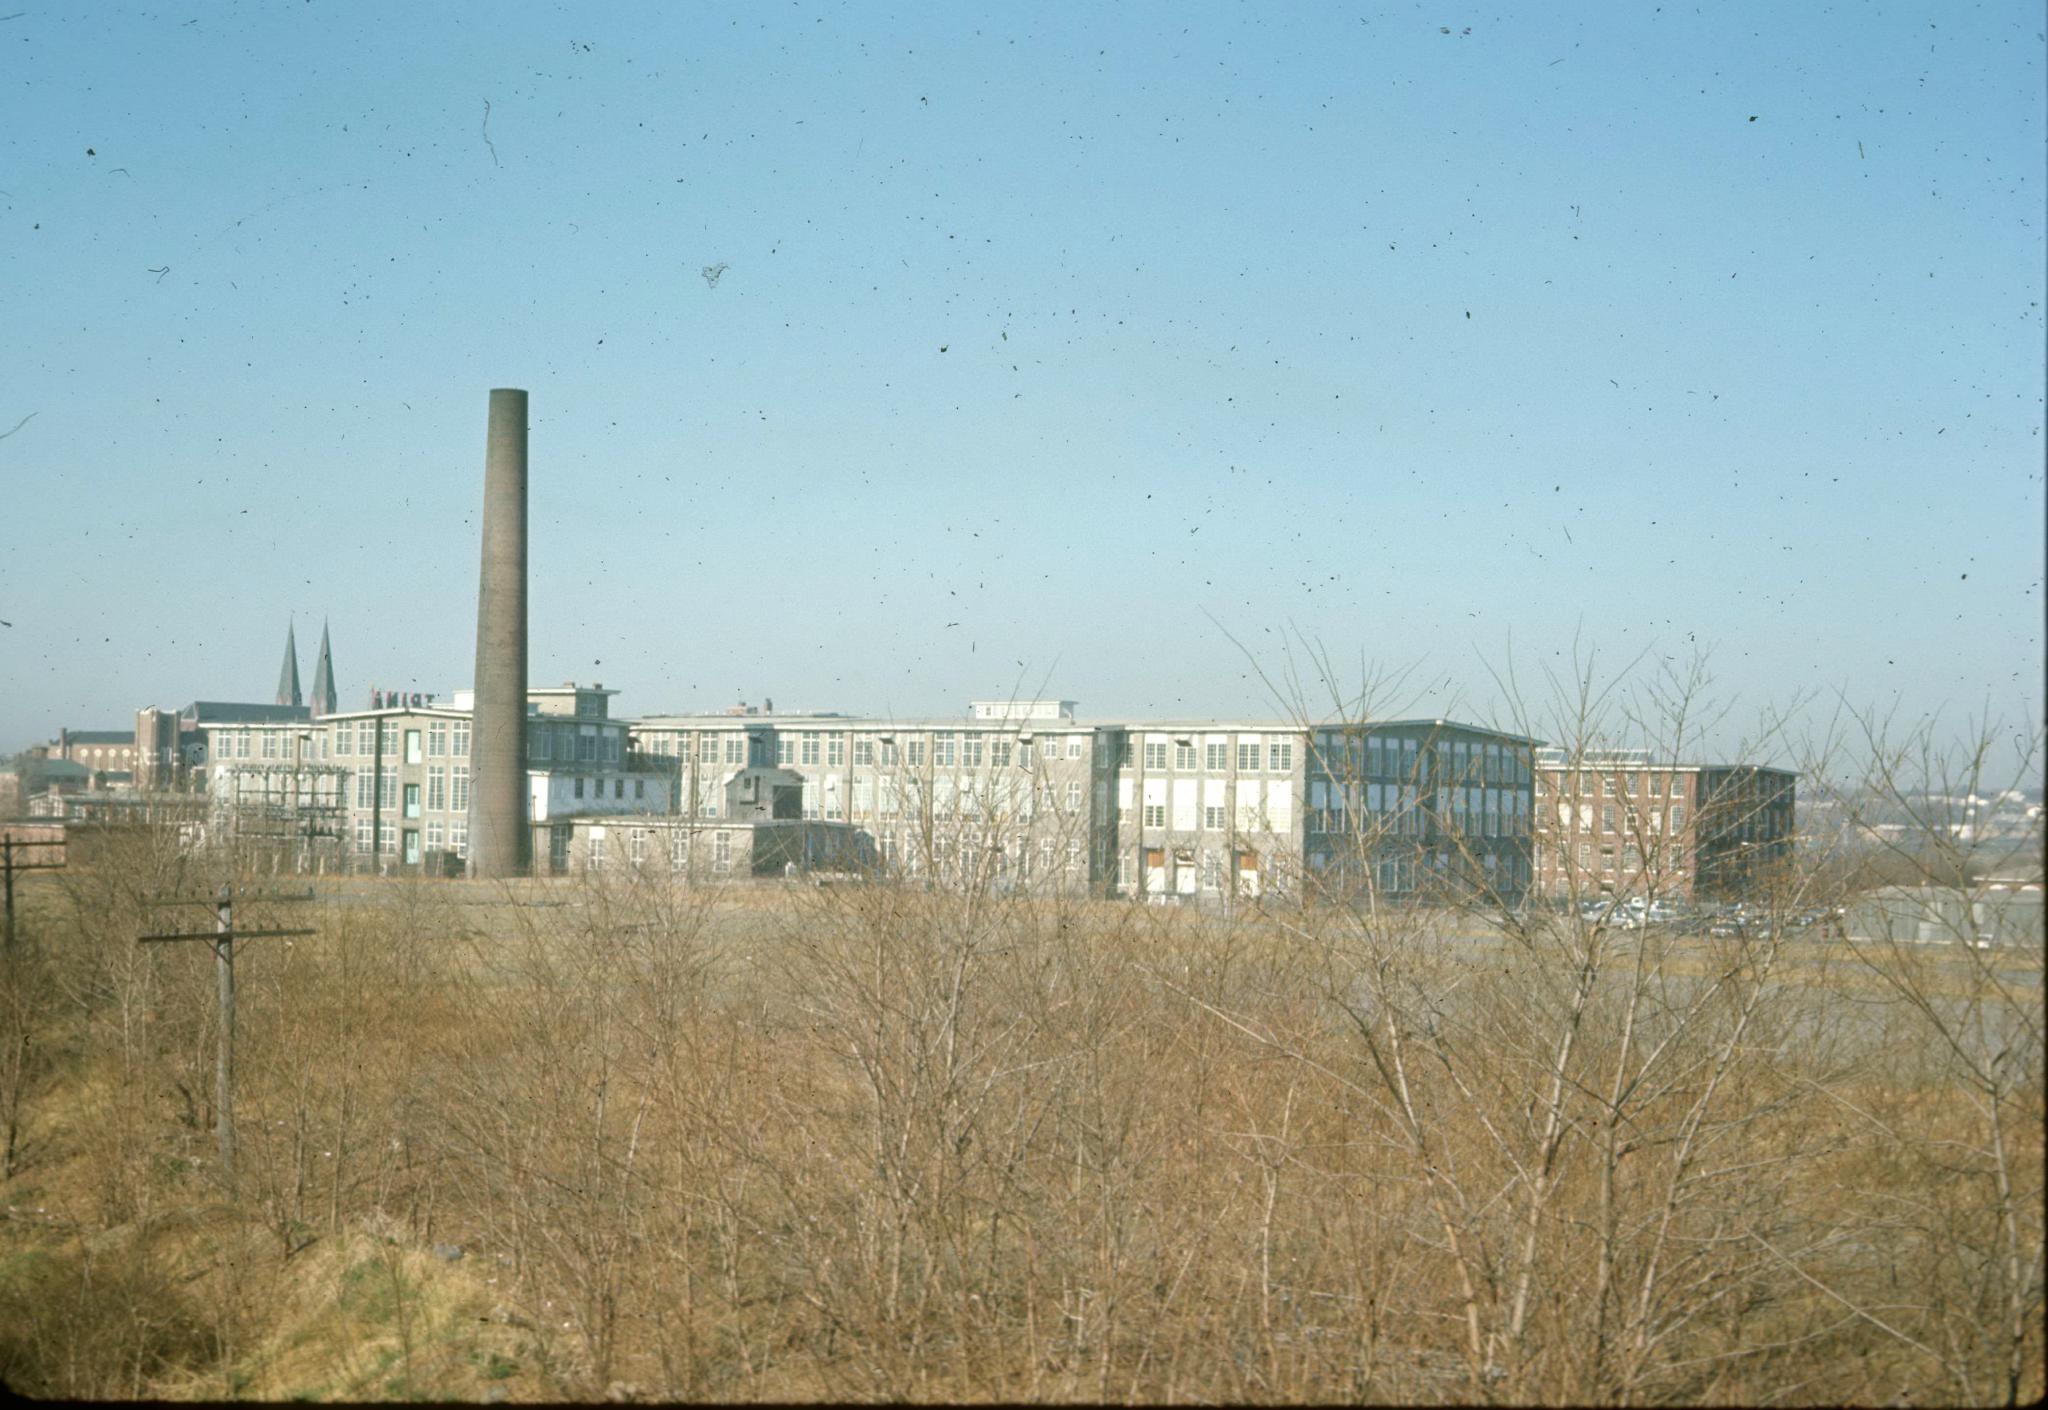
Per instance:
{"type": "Point", "coordinates": [1659, 819]}
{"type": "Point", "coordinates": [1274, 756]}
{"type": "Point", "coordinates": [442, 738]}
{"type": "Point", "coordinates": [827, 749]}
{"type": "Point", "coordinates": [1655, 784]}
{"type": "Point", "coordinates": [454, 836]}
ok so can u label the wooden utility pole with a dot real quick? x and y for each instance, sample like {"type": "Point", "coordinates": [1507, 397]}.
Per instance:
{"type": "Point", "coordinates": [10, 866]}
{"type": "Point", "coordinates": [223, 936]}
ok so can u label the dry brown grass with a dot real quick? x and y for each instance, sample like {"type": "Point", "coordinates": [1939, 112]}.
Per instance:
{"type": "Point", "coordinates": [875, 1143]}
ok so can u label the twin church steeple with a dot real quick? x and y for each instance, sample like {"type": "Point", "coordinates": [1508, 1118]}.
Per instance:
{"type": "Point", "coordinates": [323, 701]}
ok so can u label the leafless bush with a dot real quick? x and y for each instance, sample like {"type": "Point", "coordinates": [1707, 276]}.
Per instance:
{"type": "Point", "coordinates": [885, 1141]}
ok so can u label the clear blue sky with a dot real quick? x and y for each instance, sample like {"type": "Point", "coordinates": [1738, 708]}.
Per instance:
{"type": "Point", "coordinates": [1054, 336]}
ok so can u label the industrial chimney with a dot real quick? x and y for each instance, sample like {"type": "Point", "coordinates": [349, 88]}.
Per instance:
{"type": "Point", "coordinates": [500, 839]}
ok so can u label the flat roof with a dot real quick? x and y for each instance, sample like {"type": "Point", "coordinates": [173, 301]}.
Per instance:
{"type": "Point", "coordinates": [864, 722]}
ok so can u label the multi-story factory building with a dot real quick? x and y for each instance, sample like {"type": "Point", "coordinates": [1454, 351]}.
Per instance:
{"type": "Point", "coordinates": [1006, 795]}
{"type": "Point", "coordinates": [1021, 794]}
{"type": "Point", "coordinates": [1621, 822]}
{"type": "Point", "coordinates": [1218, 809]}
{"type": "Point", "coordinates": [389, 786]}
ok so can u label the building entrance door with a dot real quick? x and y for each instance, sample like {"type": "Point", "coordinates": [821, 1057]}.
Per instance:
{"type": "Point", "coordinates": [412, 846]}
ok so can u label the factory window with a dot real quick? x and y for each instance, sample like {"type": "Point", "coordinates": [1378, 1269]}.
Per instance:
{"type": "Point", "coordinates": [1074, 852]}
{"type": "Point", "coordinates": [1074, 746]}
{"type": "Point", "coordinates": [863, 751]}
{"type": "Point", "coordinates": [242, 744]}
{"type": "Point", "coordinates": [460, 747]}
{"type": "Point", "coordinates": [1677, 816]}
{"type": "Point", "coordinates": [1212, 872]}
{"type": "Point", "coordinates": [913, 753]}
{"type": "Point", "coordinates": [437, 739]}
{"type": "Point", "coordinates": [942, 749]}
{"type": "Point", "coordinates": [387, 838]}
{"type": "Point", "coordinates": [810, 748]}
{"type": "Point", "coordinates": [412, 800]}
{"type": "Point", "coordinates": [362, 834]}
{"type": "Point", "coordinates": [412, 746]}
{"type": "Point", "coordinates": [458, 836]}
{"type": "Point", "coordinates": [618, 788]}
{"type": "Point", "coordinates": [1607, 818]}
{"type": "Point", "coordinates": [971, 750]}
{"type": "Point", "coordinates": [269, 747]}
{"type": "Point", "coordinates": [1074, 793]}
{"type": "Point", "coordinates": [1183, 754]}
{"type": "Point", "coordinates": [1247, 756]}
{"type": "Point", "coordinates": [1049, 749]}
{"type": "Point", "coordinates": [1280, 756]}
{"type": "Point", "coordinates": [437, 788]}
{"type": "Point", "coordinates": [1213, 818]}
{"type": "Point", "coordinates": [1607, 859]}
{"type": "Point", "coordinates": [1216, 757]}
{"type": "Point", "coordinates": [889, 751]}
{"type": "Point", "coordinates": [721, 851]}
{"type": "Point", "coordinates": [387, 790]}
{"type": "Point", "coordinates": [579, 785]}
{"type": "Point", "coordinates": [434, 831]}
{"type": "Point", "coordinates": [611, 747]}
{"type": "Point", "coordinates": [639, 788]}
{"type": "Point", "coordinates": [999, 753]}
{"type": "Point", "coordinates": [344, 740]}
{"type": "Point", "coordinates": [586, 748]}
{"type": "Point", "coordinates": [593, 854]}
{"type": "Point", "coordinates": [785, 750]}
{"type": "Point", "coordinates": [1585, 854]}
{"type": "Point", "coordinates": [541, 744]}
{"type": "Point", "coordinates": [835, 751]}
{"type": "Point", "coordinates": [636, 846]}
{"type": "Point", "coordinates": [740, 749]}
{"type": "Point", "coordinates": [679, 850]}
{"type": "Point", "coordinates": [1155, 755]}
{"type": "Point", "coordinates": [1155, 815]}
{"type": "Point", "coordinates": [458, 788]}
{"type": "Point", "coordinates": [364, 784]}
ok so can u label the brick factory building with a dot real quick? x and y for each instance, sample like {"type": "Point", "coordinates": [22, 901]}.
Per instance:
{"type": "Point", "coordinates": [1620, 822]}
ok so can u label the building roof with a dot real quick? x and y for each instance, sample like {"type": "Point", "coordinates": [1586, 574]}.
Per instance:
{"type": "Point", "coordinates": [217, 712]}
{"type": "Point", "coordinates": [100, 736]}
{"type": "Point", "coordinates": [1272, 726]}
{"type": "Point", "coordinates": [825, 719]}
{"type": "Point", "coordinates": [43, 770]}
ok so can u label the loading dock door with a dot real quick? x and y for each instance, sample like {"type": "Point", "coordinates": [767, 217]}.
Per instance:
{"type": "Point", "coordinates": [1155, 871]}
{"type": "Point", "coordinates": [1247, 873]}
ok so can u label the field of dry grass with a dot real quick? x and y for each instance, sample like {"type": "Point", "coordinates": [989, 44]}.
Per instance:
{"type": "Point", "coordinates": [871, 1143]}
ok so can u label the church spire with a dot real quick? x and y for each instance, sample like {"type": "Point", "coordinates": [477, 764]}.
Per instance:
{"type": "Point", "coordinates": [323, 701]}
{"type": "Point", "coordinates": [288, 678]}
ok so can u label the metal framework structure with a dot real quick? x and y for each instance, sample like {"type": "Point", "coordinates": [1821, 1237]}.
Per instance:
{"type": "Point", "coordinates": [285, 806]}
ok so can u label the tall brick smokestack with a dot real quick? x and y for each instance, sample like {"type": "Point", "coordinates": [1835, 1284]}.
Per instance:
{"type": "Point", "coordinates": [500, 839]}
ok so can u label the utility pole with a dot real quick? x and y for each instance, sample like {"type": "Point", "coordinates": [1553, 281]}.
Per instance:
{"type": "Point", "coordinates": [377, 801]}
{"type": "Point", "coordinates": [223, 937]}
{"type": "Point", "coordinates": [10, 866]}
